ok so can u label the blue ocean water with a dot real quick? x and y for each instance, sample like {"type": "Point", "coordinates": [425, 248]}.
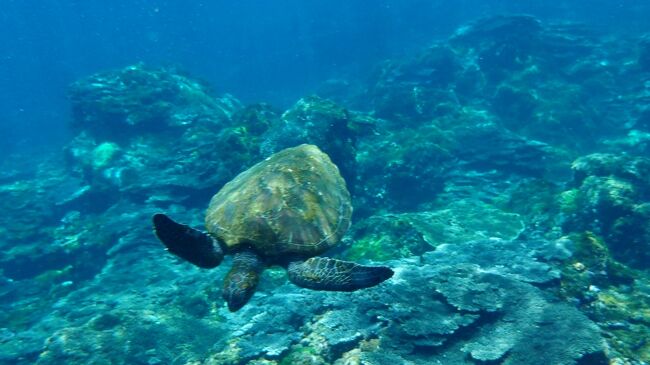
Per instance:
{"type": "Point", "coordinates": [479, 184]}
{"type": "Point", "coordinates": [247, 48]}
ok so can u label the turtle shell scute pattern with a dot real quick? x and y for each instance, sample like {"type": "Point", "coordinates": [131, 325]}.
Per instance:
{"type": "Point", "coordinates": [294, 202]}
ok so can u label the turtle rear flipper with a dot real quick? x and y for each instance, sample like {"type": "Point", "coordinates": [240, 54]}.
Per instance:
{"type": "Point", "coordinates": [187, 243]}
{"type": "Point", "coordinates": [322, 273]}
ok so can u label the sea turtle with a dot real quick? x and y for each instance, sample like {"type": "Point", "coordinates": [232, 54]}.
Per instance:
{"type": "Point", "coordinates": [283, 211]}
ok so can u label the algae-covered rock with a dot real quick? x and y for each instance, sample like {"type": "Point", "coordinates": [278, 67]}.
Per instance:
{"type": "Point", "coordinates": [320, 122]}
{"type": "Point", "coordinates": [513, 105]}
{"type": "Point", "coordinates": [45, 208]}
{"type": "Point", "coordinates": [103, 154]}
{"type": "Point", "coordinates": [518, 37]}
{"type": "Point", "coordinates": [401, 169]}
{"type": "Point", "coordinates": [611, 198]}
{"type": "Point", "coordinates": [629, 236]}
{"type": "Point", "coordinates": [123, 102]}
{"type": "Point", "coordinates": [390, 236]}
{"type": "Point", "coordinates": [257, 118]}
{"type": "Point", "coordinates": [540, 203]}
{"type": "Point", "coordinates": [549, 82]}
{"type": "Point", "coordinates": [624, 316]}
{"type": "Point", "coordinates": [503, 45]}
{"type": "Point", "coordinates": [608, 197]}
{"type": "Point", "coordinates": [631, 168]}
{"type": "Point", "coordinates": [591, 265]}
{"type": "Point", "coordinates": [417, 88]}
{"type": "Point", "coordinates": [612, 294]}
{"type": "Point", "coordinates": [153, 131]}
{"type": "Point", "coordinates": [487, 146]}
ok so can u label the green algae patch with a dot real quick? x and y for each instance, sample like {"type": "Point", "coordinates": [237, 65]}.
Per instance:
{"type": "Point", "coordinates": [373, 247]}
{"type": "Point", "coordinates": [624, 317]}
{"type": "Point", "coordinates": [615, 296]}
{"type": "Point", "coordinates": [591, 266]}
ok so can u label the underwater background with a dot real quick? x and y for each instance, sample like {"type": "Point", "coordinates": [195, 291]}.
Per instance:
{"type": "Point", "coordinates": [497, 154]}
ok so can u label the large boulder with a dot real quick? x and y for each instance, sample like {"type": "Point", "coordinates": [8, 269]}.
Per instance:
{"type": "Point", "coordinates": [155, 134]}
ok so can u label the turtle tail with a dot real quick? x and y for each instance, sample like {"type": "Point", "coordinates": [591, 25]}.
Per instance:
{"type": "Point", "coordinates": [188, 243]}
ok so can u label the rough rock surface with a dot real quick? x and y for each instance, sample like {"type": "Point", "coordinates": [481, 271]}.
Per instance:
{"type": "Point", "coordinates": [611, 196]}
{"type": "Point", "coordinates": [463, 299]}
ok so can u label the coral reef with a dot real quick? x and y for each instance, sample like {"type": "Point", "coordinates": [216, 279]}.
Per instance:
{"type": "Point", "coordinates": [450, 304]}
{"type": "Point", "coordinates": [502, 173]}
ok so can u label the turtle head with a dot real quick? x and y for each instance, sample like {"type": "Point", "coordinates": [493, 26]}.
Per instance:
{"type": "Point", "coordinates": [241, 281]}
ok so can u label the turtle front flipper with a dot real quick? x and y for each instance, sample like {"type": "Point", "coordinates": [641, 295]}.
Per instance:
{"type": "Point", "coordinates": [188, 243]}
{"type": "Point", "coordinates": [241, 281]}
{"type": "Point", "coordinates": [322, 273]}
